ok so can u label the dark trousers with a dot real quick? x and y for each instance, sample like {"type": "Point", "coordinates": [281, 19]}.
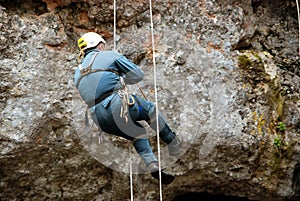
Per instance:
{"type": "Point", "coordinates": [109, 120]}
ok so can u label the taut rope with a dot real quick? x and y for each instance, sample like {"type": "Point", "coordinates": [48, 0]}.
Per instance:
{"type": "Point", "coordinates": [123, 95]}
{"type": "Point", "coordinates": [156, 101]}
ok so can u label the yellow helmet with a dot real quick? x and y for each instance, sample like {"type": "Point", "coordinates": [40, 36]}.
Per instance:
{"type": "Point", "coordinates": [89, 40]}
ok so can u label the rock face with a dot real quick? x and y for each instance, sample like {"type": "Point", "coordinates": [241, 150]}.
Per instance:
{"type": "Point", "coordinates": [228, 82]}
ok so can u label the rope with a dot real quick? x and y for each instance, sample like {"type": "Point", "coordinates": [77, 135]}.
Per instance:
{"type": "Point", "coordinates": [130, 170]}
{"type": "Point", "coordinates": [141, 90]}
{"type": "Point", "coordinates": [155, 92]}
{"type": "Point", "coordinates": [115, 23]}
{"type": "Point", "coordinates": [124, 95]}
{"type": "Point", "coordinates": [156, 101]}
{"type": "Point", "coordinates": [297, 2]}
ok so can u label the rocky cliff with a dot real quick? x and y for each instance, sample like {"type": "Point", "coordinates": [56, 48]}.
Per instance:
{"type": "Point", "coordinates": [228, 82]}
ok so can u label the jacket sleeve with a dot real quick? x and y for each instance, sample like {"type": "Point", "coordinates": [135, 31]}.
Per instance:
{"type": "Point", "coordinates": [131, 73]}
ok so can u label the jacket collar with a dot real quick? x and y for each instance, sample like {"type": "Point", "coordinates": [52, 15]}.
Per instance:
{"type": "Point", "coordinates": [91, 50]}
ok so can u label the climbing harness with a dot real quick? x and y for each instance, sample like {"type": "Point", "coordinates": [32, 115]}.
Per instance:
{"type": "Point", "coordinates": [88, 70]}
{"type": "Point", "coordinates": [127, 100]}
{"type": "Point", "coordinates": [84, 72]}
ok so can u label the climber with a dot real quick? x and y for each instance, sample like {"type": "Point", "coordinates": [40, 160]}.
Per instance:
{"type": "Point", "coordinates": [101, 80]}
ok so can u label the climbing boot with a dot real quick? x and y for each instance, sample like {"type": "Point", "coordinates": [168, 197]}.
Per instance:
{"type": "Point", "coordinates": [174, 147]}
{"type": "Point", "coordinates": [154, 170]}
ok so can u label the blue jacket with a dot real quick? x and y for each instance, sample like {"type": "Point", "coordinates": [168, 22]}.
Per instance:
{"type": "Point", "coordinates": [99, 83]}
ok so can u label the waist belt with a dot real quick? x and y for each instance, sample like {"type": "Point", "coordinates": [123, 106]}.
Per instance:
{"type": "Point", "coordinates": [99, 99]}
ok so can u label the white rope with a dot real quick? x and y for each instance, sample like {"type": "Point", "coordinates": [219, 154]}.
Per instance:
{"type": "Point", "coordinates": [155, 92]}
{"type": "Point", "coordinates": [156, 102]}
{"type": "Point", "coordinates": [298, 22]}
{"type": "Point", "coordinates": [115, 23]}
{"type": "Point", "coordinates": [130, 158]}
{"type": "Point", "coordinates": [130, 169]}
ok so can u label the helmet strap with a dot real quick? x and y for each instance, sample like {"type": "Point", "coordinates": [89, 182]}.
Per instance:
{"type": "Point", "coordinates": [81, 55]}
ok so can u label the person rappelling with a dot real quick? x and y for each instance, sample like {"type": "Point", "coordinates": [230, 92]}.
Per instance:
{"type": "Point", "coordinates": [101, 80]}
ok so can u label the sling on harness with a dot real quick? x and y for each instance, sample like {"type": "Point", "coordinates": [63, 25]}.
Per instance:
{"type": "Point", "coordinates": [127, 100]}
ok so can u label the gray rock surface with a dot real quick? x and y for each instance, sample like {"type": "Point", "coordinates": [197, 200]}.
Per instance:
{"type": "Point", "coordinates": [227, 80]}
